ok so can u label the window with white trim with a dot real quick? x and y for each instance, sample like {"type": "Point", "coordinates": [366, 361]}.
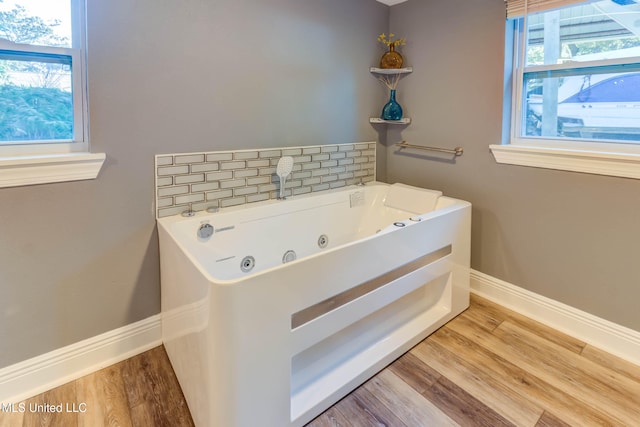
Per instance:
{"type": "Point", "coordinates": [43, 97]}
{"type": "Point", "coordinates": [574, 100]}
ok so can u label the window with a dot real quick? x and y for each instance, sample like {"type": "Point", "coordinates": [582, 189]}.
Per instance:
{"type": "Point", "coordinates": [575, 93]}
{"type": "Point", "coordinates": [43, 99]}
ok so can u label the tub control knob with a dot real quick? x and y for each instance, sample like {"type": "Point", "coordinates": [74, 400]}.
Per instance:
{"type": "Point", "coordinates": [205, 231]}
{"type": "Point", "coordinates": [399, 224]}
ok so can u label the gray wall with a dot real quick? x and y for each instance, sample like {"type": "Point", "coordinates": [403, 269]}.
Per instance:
{"type": "Point", "coordinates": [78, 259]}
{"type": "Point", "coordinates": [569, 236]}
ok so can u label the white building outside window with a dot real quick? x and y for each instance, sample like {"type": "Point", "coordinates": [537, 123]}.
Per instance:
{"type": "Point", "coordinates": [574, 101]}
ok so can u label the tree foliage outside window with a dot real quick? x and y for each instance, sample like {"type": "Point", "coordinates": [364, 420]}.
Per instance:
{"type": "Point", "coordinates": [18, 26]}
{"type": "Point", "coordinates": [535, 54]}
{"type": "Point", "coordinates": [36, 95]}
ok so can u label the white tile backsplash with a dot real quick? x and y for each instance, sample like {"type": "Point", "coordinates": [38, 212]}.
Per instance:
{"type": "Point", "coordinates": [231, 178]}
{"type": "Point", "coordinates": [193, 158]}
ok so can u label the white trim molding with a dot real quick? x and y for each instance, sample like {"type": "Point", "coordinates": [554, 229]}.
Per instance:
{"type": "Point", "coordinates": [622, 164]}
{"type": "Point", "coordinates": [47, 371]}
{"type": "Point", "coordinates": [608, 336]}
{"type": "Point", "coordinates": [31, 170]}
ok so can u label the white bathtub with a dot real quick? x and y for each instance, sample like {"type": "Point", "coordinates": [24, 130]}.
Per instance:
{"type": "Point", "coordinates": [279, 344]}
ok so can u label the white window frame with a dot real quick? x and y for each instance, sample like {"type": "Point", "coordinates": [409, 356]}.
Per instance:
{"type": "Point", "coordinates": [602, 158]}
{"type": "Point", "coordinates": [43, 162]}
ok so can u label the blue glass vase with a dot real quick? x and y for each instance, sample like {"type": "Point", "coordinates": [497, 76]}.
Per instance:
{"type": "Point", "coordinates": [392, 110]}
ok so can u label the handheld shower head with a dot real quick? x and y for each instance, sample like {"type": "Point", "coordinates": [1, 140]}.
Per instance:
{"type": "Point", "coordinates": [284, 168]}
{"type": "Point", "coordinates": [285, 165]}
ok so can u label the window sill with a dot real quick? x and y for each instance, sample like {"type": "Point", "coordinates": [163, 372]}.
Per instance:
{"type": "Point", "coordinates": [31, 170]}
{"type": "Point", "coordinates": [622, 164]}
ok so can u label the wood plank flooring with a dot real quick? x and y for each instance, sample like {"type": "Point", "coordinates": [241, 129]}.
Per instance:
{"type": "Point", "coordinates": [141, 391]}
{"type": "Point", "coordinates": [488, 367]}
{"type": "Point", "coordinates": [493, 367]}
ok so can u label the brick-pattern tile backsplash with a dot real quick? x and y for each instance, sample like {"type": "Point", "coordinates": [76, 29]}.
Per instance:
{"type": "Point", "coordinates": [228, 178]}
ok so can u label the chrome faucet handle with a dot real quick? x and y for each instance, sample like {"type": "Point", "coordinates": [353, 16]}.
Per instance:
{"type": "Point", "coordinates": [205, 231]}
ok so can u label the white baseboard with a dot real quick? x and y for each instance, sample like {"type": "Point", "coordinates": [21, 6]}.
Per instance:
{"type": "Point", "coordinates": [608, 336]}
{"type": "Point", "coordinates": [50, 370]}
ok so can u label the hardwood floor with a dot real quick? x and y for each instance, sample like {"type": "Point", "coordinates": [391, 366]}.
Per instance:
{"type": "Point", "coordinates": [141, 391]}
{"type": "Point", "coordinates": [493, 367]}
{"type": "Point", "coordinates": [488, 367]}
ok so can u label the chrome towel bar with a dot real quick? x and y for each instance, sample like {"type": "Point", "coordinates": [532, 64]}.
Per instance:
{"type": "Point", "coordinates": [458, 151]}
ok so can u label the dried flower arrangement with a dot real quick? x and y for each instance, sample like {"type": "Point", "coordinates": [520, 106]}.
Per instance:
{"type": "Point", "coordinates": [382, 38]}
